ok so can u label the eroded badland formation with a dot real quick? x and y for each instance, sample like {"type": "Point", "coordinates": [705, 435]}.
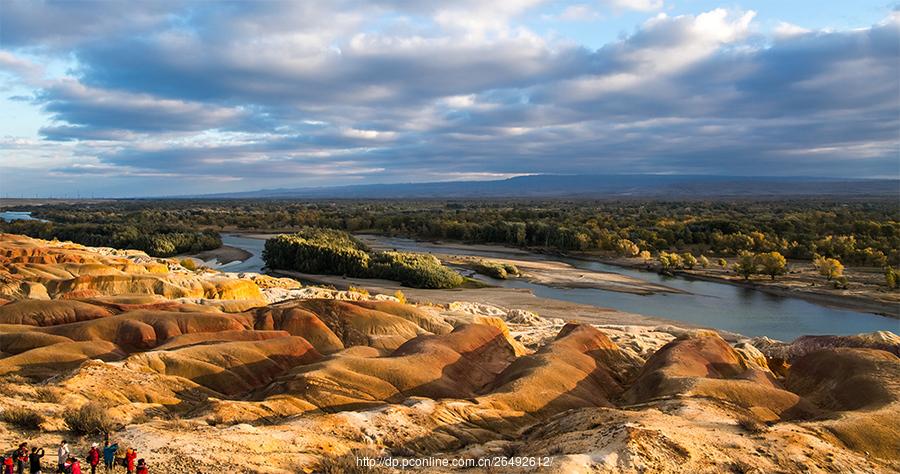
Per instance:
{"type": "Point", "coordinates": [212, 372]}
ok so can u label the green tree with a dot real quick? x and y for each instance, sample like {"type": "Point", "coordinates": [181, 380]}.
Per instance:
{"type": "Point", "coordinates": [723, 263]}
{"type": "Point", "coordinates": [688, 260]}
{"type": "Point", "coordinates": [704, 262]}
{"type": "Point", "coordinates": [772, 264]}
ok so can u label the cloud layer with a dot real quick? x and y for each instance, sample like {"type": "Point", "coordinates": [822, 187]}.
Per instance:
{"type": "Point", "coordinates": [247, 94]}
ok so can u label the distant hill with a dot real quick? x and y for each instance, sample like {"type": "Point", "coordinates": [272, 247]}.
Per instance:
{"type": "Point", "coordinates": [593, 186]}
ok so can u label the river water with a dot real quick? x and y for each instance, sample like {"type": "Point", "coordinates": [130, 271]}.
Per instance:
{"type": "Point", "coordinates": [10, 216]}
{"type": "Point", "coordinates": [709, 304]}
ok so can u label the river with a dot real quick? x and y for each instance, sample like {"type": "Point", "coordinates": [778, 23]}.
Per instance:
{"type": "Point", "coordinates": [10, 216]}
{"type": "Point", "coordinates": [709, 304]}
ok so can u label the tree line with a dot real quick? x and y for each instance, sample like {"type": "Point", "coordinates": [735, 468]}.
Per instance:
{"type": "Point", "coordinates": [162, 241]}
{"type": "Point", "coordinates": [854, 232]}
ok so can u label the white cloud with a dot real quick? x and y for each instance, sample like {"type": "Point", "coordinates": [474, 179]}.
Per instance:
{"type": "Point", "coordinates": [638, 5]}
{"type": "Point", "coordinates": [787, 30]}
{"type": "Point", "coordinates": [578, 12]}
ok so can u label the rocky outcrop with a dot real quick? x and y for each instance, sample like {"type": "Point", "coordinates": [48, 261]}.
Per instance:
{"type": "Point", "coordinates": [581, 368]}
{"type": "Point", "coordinates": [229, 368]}
{"type": "Point", "coordinates": [702, 364]}
{"type": "Point", "coordinates": [455, 365]}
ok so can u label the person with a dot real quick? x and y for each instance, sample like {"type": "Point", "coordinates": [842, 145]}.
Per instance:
{"type": "Point", "coordinates": [75, 468]}
{"type": "Point", "coordinates": [67, 466]}
{"type": "Point", "coordinates": [109, 455]}
{"type": "Point", "coordinates": [20, 457]}
{"type": "Point", "coordinates": [142, 467]}
{"type": "Point", "coordinates": [93, 457]}
{"type": "Point", "coordinates": [130, 456]}
{"type": "Point", "coordinates": [8, 464]}
{"type": "Point", "coordinates": [62, 455]}
{"type": "Point", "coordinates": [34, 460]}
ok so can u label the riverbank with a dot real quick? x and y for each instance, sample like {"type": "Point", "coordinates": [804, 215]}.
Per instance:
{"type": "Point", "coordinates": [222, 255]}
{"type": "Point", "coordinates": [863, 292]}
{"type": "Point", "coordinates": [506, 297]}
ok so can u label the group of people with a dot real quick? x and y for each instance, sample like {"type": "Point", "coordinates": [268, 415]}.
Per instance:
{"type": "Point", "coordinates": [22, 458]}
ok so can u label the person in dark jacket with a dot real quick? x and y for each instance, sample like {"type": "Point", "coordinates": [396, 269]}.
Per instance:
{"type": "Point", "coordinates": [34, 460]}
{"type": "Point", "coordinates": [142, 467]}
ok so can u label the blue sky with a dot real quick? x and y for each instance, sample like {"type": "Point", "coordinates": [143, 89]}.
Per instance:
{"type": "Point", "coordinates": [152, 98]}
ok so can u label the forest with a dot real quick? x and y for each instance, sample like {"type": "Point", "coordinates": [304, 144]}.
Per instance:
{"type": "Point", "coordinates": [334, 252]}
{"type": "Point", "coordinates": [857, 232]}
{"type": "Point", "coordinates": [157, 240]}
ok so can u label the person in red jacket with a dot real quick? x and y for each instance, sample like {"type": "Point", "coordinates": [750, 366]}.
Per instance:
{"type": "Point", "coordinates": [130, 456]}
{"type": "Point", "coordinates": [142, 467]}
{"type": "Point", "coordinates": [93, 457]}
{"type": "Point", "coordinates": [76, 466]}
{"type": "Point", "coordinates": [21, 458]}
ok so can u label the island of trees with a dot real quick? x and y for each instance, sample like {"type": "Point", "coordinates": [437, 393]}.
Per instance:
{"type": "Point", "coordinates": [334, 252]}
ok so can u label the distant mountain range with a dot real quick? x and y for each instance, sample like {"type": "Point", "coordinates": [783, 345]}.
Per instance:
{"type": "Point", "coordinates": [590, 186]}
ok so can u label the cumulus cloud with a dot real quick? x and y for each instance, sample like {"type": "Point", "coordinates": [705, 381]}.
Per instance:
{"type": "Point", "coordinates": [255, 94]}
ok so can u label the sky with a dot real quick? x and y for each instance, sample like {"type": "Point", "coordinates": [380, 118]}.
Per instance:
{"type": "Point", "coordinates": [147, 98]}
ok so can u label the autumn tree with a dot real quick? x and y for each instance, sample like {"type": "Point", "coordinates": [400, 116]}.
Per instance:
{"type": "Point", "coordinates": [772, 264]}
{"type": "Point", "coordinates": [645, 256]}
{"type": "Point", "coordinates": [745, 265]}
{"type": "Point", "coordinates": [890, 277]}
{"type": "Point", "coordinates": [830, 268]}
{"type": "Point", "coordinates": [627, 248]}
{"type": "Point", "coordinates": [690, 261]}
{"type": "Point", "coordinates": [669, 262]}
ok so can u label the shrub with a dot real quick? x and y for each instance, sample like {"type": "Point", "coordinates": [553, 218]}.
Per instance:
{"type": "Point", "coordinates": [362, 291]}
{"type": "Point", "coordinates": [400, 296]}
{"type": "Point", "coordinates": [493, 269]}
{"type": "Point", "coordinates": [22, 418]}
{"type": "Point", "coordinates": [91, 418]}
{"type": "Point", "coordinates": [46, 395]}
{"type": "Point", "coordinates": [350, 463]}
{"type": "Point", "coordinates": [189, 263]}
